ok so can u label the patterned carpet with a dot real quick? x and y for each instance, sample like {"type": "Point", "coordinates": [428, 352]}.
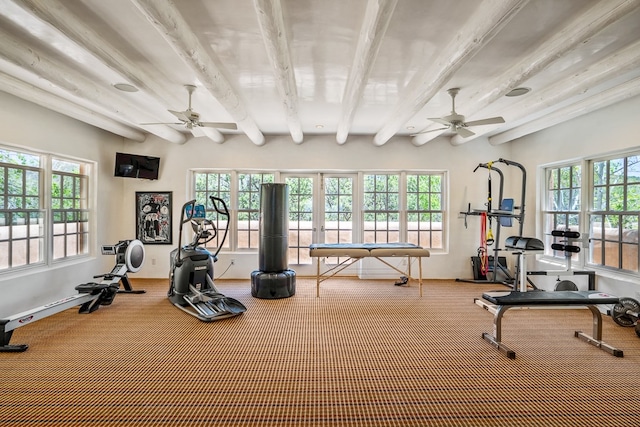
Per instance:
{"type": "Point", "coordinates": [364, 353]}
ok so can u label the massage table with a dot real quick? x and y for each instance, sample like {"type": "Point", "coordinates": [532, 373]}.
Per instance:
{"type": "Point", "coordinates": [498, 303]}
{"type": "Point", "coordinates": [353, 252]}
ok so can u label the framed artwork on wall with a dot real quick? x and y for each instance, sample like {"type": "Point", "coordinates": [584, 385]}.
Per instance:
{"type": "Point", "coordinates": [153, 217]}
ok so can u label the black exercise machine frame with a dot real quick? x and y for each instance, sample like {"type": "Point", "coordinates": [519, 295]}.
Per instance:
{"type": "Point", "coordinates": [499, 214]}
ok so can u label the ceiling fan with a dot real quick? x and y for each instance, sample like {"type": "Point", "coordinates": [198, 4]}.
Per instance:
{"type": "Point", "coordinates": [191, 119]}
{"type": "Point", "coordinates": [455, 122]}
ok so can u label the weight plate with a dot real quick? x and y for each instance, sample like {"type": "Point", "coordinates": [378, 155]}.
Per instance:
{"type": "Point", "coordinates": [625, 313]}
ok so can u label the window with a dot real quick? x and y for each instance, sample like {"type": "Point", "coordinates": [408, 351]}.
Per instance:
{"type": "Point", "coordinates": [425, 210]}
{"type": "Point", "coordinates": [241, 193]}
{"type": "Point", "coordinates": [249, 207]}
{"type": "Point", "coordinates": [25, 205]}
{"type": "Point", "coordinates": [21, 219]}
{"type": "Point", "coordinates": [381, 208]}
{"type": "Point", "coordinates": [338, 209]}
{"type": "Point", "coordinates": [562, 205]}
{"type": "Point", "coordinates": [615, 212]}
{"type": "Point", "coordinates": [69, 208]}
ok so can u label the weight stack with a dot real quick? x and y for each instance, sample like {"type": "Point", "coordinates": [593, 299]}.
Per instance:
{"type": "Point", "coordinates": [273, 280]}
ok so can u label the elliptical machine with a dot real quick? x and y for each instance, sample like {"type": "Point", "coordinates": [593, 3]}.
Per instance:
{"type": "Point", "coordinates": [191, 286]}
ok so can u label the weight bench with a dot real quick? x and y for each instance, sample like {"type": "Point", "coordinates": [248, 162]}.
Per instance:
{"type": "Point", "coordinates": [498, 303]}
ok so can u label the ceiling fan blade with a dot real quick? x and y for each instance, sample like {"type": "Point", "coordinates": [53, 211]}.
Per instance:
{"type": "Point", "coordinates": [180, 115]}
{"type": "Point", "coordinates": [427, 131]}
{"type": "Point", "coordinates": [490, 121]}
{"type": "Point", "coordinates": [464, 132]}
{"type": "Point", "coordinates": [144, 124]}
{"type": "Point", "coordinates": [219, 125]}
{"type": "Point", "coordinates": [439, 120]}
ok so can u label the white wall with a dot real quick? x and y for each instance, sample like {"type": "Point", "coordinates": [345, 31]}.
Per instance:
{"type": "Point", "coordinates": [607, 131]}
{"type": "Point", "coordinates": [26, 125]}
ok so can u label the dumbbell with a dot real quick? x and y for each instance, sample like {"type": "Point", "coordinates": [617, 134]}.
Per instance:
{"type": "Point", "coordinates": [626, 313]}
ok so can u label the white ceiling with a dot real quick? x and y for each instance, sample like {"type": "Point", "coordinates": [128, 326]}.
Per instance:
{"type": "Point", "coordinates": [378, 68]}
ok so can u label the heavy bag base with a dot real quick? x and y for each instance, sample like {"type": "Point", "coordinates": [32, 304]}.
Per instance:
{"type": "Point", "coordinates": [273, 285]}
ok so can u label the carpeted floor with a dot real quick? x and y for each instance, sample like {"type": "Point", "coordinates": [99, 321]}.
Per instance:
{"type": "Point", "coordinates": [364, 353]}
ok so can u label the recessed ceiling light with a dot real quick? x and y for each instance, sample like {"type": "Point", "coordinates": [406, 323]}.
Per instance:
{"type": "Point", "coordinates": [125, 87]}
{"type": "Point", "coordinates": [319, 126]}
{"type": "Point", "coordinates": [519, 91]}
{"type": "Point", "coordinates": [410, 127]}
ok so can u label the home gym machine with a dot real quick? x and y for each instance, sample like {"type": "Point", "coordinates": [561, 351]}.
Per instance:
{"type": "Point", "coordinates": [485, 267]}
{"type": "Point", "coordinates": [129, 258]}
{"type": "Point", "coordinates": [191, 286]}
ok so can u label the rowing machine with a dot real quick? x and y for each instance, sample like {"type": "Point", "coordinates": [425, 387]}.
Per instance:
{"type": "Point", "coordinates": [90, 296]}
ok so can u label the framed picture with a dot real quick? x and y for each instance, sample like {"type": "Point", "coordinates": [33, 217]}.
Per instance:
{"type": "Point", "coordinates": [153, 218]}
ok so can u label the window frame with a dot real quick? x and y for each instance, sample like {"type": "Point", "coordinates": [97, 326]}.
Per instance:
{"type": "Point", "coordinates": [596, 210]}
{"type": "Point", "coordinates": [44, 213]}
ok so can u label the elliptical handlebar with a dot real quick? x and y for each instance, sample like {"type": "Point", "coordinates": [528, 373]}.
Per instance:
{"type": "Point", "coordinates": [216, 202]}
{"type": "Point", "coordinates": [188, 211]}
{"type": "Point", "coordinates": [189, 214]}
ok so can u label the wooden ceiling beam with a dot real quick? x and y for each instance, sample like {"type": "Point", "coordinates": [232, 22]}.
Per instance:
{"type": "Point", "coordinates": [166, 18]}
{"type": "Point", "coordinates": [76, 85]}
{"type": "Point", "coordinates": [276, 40]}
{"type": "Point", "coordinates": [490, 17]}
{"type": "Point", "coordinates": [584, 82]}
{"type": "Point", "coordinates": [58, 15]}
{"type": "Point", "coordinates": [376, 21]}
{"type": "Point", "coordinates": [31, 93]}
{"type": "Point", "coordinates": [579, 30]}
{"type": "Point", "coordinates": [603, 99]}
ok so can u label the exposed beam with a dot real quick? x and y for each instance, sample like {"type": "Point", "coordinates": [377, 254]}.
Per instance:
{"type": "Point", "coordinates": [60, 17]}
{"type": "Point", "coordinates": [577, 32]}
{"type": "Point", "coordinates": [77, 84]}
{"type": "Point", "coordinates": [376, 21]}
{"type": "Point", "coordinates": [614, 66]}
{"type": "Point", "coordinates": [491, 16]}
{"type": "Point", "coordinates": [48, 100]}
{"type": "Point", "coordinates": [276, 42]}
{"type": "Point", "coordinates": [603, 99]}
{"type": "Point", "coordinates": [166, 18]}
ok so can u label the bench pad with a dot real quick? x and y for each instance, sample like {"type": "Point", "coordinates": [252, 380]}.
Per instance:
{"type": "Point", "coordinates": [550, 298]}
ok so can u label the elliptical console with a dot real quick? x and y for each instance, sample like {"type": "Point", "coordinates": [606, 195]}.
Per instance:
{"type": "Point", "coordinates": [191, 286]}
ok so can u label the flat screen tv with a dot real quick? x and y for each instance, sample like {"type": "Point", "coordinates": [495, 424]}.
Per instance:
{"type": "Point", "coordinates": [136, 166]}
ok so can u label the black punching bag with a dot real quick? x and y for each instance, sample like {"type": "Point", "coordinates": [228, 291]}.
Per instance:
{"type": "Point", "coordinates": [274, 228]}
{"type": "Point", "coordinates": [273, 279]}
